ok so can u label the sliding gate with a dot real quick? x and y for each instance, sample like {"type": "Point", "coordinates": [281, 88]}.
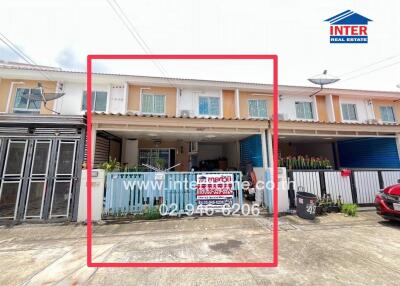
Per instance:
{"type": "Point", "coordinates": [132, 192]}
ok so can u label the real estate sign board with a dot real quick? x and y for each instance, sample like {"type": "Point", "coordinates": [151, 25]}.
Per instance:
{"type": "Point", "coordinates": [214, 190]}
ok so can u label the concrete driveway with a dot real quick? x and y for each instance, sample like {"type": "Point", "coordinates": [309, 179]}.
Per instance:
{"type": "Point", "coordinates": [334, 250]}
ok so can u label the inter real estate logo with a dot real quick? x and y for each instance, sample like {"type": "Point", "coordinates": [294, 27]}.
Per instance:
{"type": "Point", "coordinates": [348, 27]}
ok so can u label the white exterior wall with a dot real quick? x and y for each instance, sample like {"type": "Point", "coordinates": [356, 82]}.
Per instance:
{"type": "Point", "coordinates": [117, 99]}
{"type": "Point", "coordinates": [98, 181]}
{"type": "Point", "coordinates": [188, 99]}
{"type": "Point", "coordinates": [287, 106]}
{"type": "Point", "coordinates": [71, 102]}
{"type": "Point", "coordinates": [130, 151]}
{"type": "Point", "coordinates": [361, 106]}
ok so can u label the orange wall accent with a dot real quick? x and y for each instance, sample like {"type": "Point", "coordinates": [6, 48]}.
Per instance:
{"type": "Point", "coordinates": [321, 106]}
{"type": "Point", "coordinates": [244, 97]}
{"type": "Point", "coordinates": [229, 103]}
{"type": "Point", "coordinates": [380, 102]}
{"type": "Point", "coordinates": [336, 108]}
{"type": "Point", "coordinates": [5, 85]}
{"type": "Point", "coordinates": [169, 92]}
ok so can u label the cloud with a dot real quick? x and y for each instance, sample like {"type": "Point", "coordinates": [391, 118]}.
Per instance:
{"type": "Point", "coordinates": [6, 54]}
{"type": "Point", "coordinates": [68, 60]}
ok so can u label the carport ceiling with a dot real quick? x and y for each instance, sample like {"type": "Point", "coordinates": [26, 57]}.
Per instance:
{"type": "Point", "coordinates": [173, 136]}
{"type": "Point", "coordinates": [313, 139]}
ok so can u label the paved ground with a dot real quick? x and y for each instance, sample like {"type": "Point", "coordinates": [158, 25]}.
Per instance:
{"type": "Point", "coordinates": [335, 250]}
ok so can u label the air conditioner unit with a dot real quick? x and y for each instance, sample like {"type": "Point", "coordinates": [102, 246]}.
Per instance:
{"type": "Point", "coordinates": [282, 116]}
{"type": "Point", "coordinates": [185, 113]}
{"type": "Point", "coordinates": [193, 147]}
{"type": "Point", "coordinates": [373, 121]}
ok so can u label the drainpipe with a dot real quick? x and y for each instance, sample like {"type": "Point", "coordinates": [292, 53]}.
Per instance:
{"type": "Point", "coordinates": [10, 94]}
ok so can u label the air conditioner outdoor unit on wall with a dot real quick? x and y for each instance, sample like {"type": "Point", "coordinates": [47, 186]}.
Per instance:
{"type": "Point", "coordinates": [185, 113]}
{"type": "Point", "coordinates": [193, 147]}
{"type": "Point", "coordinates": [282, 116]}
{"type": "Point", "coordinates": [373, 121]}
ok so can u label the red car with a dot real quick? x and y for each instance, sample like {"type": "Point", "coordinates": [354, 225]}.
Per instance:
{"type": "Point", "coordinates": [387, 203]}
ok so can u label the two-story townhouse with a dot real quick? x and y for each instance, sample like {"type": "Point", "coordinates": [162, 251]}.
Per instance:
{"type": "Point", "coordinates": [185, 124]}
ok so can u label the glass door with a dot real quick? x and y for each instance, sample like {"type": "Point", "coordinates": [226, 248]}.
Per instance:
{"type": "Point", "coordinates": [64, 177]}
{"type": "Point", "coordinates": [12, 177]}
{"type": "Point", "coordinates": [38, 179]}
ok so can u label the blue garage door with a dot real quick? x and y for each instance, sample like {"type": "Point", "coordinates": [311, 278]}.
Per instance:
{"type": "Point", "coordinates": [369, 153]}
{"type": "Point", "coordinates": [250, 151]}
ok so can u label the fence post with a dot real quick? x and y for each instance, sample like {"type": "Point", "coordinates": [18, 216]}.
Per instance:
{"type": "Point", "coordinates": [291, 191]}
{"type": "Point", "coordinates": [381, 183]}
{"type": "Point", "coordinates": [353, 188]}
{"type": "Point", "coordinates": [322, 183]}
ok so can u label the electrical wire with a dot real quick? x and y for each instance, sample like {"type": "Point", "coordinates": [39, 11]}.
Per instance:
{"type": "Point", "coordinates": [31, 62]}
{"type": "Point", "coordinates": [136, 36]}
{"type": "Point", "coordinates": [360, 69]}
{"type": "Point", "coordinates": [23, 56]}
{"type": "Point", "coordinates": [369, 65]}
{"type": "Point", "coordinates": [368, 72]}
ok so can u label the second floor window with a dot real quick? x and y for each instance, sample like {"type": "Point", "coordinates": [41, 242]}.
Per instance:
{"type": "Point", "coordinates": [152, 103]}
{"type": "Point", "coordinates": [258, 108]}
{"type": "Point", "coordinates": [387, 113]}
{"type": "Point", "coordinates": [349, 111]}
{"type": "Point", "coordinates": [209, 105]}
{"type": "Point", "coordinates": [304, 110]}
{"type": "Point", "coordinates": [99, 101]}
{"type": "Point", "coordinates": [28, 100]}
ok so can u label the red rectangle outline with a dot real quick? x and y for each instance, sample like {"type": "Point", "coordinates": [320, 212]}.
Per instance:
{"type": "Point", "coordinates": [89, 245]}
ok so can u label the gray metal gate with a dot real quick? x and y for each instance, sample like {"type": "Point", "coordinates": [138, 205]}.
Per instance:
{"type": "Point", "coordinates": [40, 168]}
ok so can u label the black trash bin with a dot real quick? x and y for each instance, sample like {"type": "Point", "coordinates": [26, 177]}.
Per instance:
{"type": "Point", "coordinates": [305, 205]}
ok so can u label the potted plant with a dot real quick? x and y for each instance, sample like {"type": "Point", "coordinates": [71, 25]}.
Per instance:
{"type": "Point", "coordinates": [111, 165]}
{"type": "Point", "coordinates": [160, 163]}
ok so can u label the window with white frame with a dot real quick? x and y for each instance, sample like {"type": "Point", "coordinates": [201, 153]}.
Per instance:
{"type": "Point", "coordinates": [99, 101]}
{"type": "Point", "coordinates": [153, 103]}
{"type": "Point", "coordinates": [304, 110]}
{"type": "Point", "coordinates": [28, 100]}
{"type": "Point", "coordinates": [209, 105]}
{"type": "Point", "coordinates": [155, 157]}
{"type": "Point", "coordinates": [387, 113]}
{"type": "Point", "coordinates": [258, 108]}
{"type": "Point", "coordinates": [349, 111]}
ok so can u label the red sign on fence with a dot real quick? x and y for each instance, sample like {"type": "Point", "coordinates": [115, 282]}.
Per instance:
{"type": "Point", "coordinates": [214, 190]}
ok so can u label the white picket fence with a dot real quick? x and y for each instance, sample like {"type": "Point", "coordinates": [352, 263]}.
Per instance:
{"type": "Point", "coordinates": [366, 184]}
{"type": "Point", "coordinates": [337, 185]}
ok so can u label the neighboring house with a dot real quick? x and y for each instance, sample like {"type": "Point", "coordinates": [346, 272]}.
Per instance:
{"type": "Point", "coordinates": [41, 153]}
{"type": "Point", "coordinates": [197, 124]}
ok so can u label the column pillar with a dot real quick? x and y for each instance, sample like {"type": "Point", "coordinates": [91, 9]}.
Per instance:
{"type": "Point", "coordinates": [237, 103]}
{"type": "Point", "coordinates": [264, 149]}
{"type": "Point", "coordinates": [269, 146]}
{"type": "Point", "coordinates": [94, 134]}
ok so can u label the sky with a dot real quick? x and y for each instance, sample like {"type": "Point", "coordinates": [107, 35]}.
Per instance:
{"type": "Point", "coordinates": [62, 33]}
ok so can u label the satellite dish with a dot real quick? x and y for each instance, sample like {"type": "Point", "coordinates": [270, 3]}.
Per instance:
{"type": "Point", "coordinates": [322, 79]}
{"type": "Point", "coordinates": [37, 97]}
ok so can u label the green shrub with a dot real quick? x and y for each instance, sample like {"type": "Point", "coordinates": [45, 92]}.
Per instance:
{"type": "Point", "coordinates": [151, 213]}
{"type": "Point", "coordinates": [349, 209]}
